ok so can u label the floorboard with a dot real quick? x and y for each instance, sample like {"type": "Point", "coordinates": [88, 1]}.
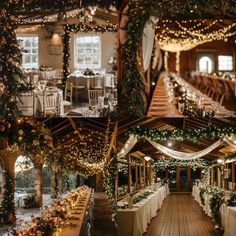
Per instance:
{"type": "Point", "coordinates": [180, 215]}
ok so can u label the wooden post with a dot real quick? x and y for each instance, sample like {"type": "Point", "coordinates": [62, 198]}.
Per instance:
{"type": "Point", "coordinates": [233, 176]}
{"type": "Point", "coordinates": [178, 178]}
{"type": "Point", "coordinates": [136, 176]}
{"type": "Point", "coordinates": [129, 176]}
{"type": "Point", "coordinates": [150, 173]}
{"type": "Point", "coordinates": [188, 178]}
{"type": "Point", "coordinates": [144, 173]}
{"type": "Point", "coordinates": [53, 185]}
{"type": "Point", "coordinates": [140, 174]}
{"type": "Point", "coordinates": [38, 185]}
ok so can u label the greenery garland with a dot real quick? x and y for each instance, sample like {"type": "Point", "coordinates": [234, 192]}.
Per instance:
{"type": "Point", "coordinates": [26, 135]}
{"type": "Point", "coordinates": [191, 108]}
{"type": "Point", "coordinates": [193, 135]}
{"type": "Point", "coordinates": [67, 39]}
{"type": "Point", "coordinates": [215, 202]}
{"type": "Point", "coordinates": [110, 174]}
{"type": "Point", "coordinates": [232, 201]}
{"type": "Point", "coordinates": [230, 156]}
{"type": "Point", "coordinates": [7, 207]}
{"type": "Point", "coordinates": [201, 193]}
{"type": "Point", "coordinates": [132, 96]}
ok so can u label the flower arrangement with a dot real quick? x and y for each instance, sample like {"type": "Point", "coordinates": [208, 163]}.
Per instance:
{"type": "Point", "coordinates": [201, 194]}
{"type": "Point", "coordinates": [53, 217]}
{"type": "Point", "coordinates": [88, 72]}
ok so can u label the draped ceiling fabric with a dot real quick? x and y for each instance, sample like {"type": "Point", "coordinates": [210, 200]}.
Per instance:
{"type": "Point", "coordinates": [123, 23]}
{"type": "Point", "coordinates": [231, 141]}
{"type": "Point", "coordinates": [148, 41]}
{"type": "Point", "coordinates": [183, 155]}
{"type": "Point", "coordinates": [130, 143]}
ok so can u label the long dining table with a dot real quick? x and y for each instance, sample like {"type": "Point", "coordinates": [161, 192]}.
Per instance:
{"type": "Point", "coordinates": [134, 222]}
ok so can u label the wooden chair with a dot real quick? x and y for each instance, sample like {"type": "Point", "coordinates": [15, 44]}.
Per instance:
{"type": "Point", "coordinates": [68, 96]}
{"type": "Point", "coordinates": [50, 104]}
{"type": "Point", "coordinates": [93, 96]}
{"type": "Point", "coordinates": [98, 84]}
{"type": "Point", "coordinates": [79, 87]}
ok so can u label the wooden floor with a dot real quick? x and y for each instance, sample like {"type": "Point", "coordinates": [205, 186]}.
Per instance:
{"type": "Point", "coordinates": [180, 215]}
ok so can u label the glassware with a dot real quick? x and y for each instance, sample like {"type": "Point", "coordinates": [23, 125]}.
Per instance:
{"type": "Point", "coordinates": [181, 107]}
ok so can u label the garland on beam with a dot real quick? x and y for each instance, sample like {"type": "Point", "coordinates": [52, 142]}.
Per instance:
{"type": "Point", "coordinates": [67, 39]}
{"type": "Point", "coordinates": [230, 156]}
{"type": "Point", "coordinates": [193, 135]}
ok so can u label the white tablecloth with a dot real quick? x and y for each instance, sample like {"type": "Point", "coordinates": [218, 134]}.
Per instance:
{"type": "Point", "coordinates": [19, 199]}
{"type": "Point", "coordinates": [135, 221]}
{"type": "Point", "coordinates": [228, 220]}
{"type": "Point", "coordinates": [33, 103]}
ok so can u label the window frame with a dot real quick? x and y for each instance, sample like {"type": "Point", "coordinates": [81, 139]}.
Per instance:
{"type": "Point", "coordinates": [30, 65]}
{"type": "Point", "coordinates": [99, 66]}
{"type": "Point", "coordinates": [224, 55]}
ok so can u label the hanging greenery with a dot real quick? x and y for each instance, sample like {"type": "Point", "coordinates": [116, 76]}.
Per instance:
{"type": "Point", "coordinates": [110, 174]}
{"type": "Point", "coordinates": [67, 40]}
{"type": "Point", "coordinates": [191, 108]}
{"type": "Point", "coordinates": [230, 156]}
{"type": "Point", "coordinates": [163, 163]}
{"type": "Point", "coordinates": [7, 207]}
{"type": "Point", "coordinates": [26, 135]}
{"type": "Point", "coordinates": [132, 96]}
{"type": "Point", "coordinates": [192, 135]}
{"type": "Point", "coordinates": [232, 201]}
{"type": "Point", "coordinates": [215, 202]}
{"type": "Point", "coordinates": [12, 80]}
{"type": "Point", "coordinates": [201, 195]}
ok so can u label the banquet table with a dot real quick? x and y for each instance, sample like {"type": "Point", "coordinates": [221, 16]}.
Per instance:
{"type": "Point", "coordinates": [76, 220]}
{"type": "Point", "coordinates": [228, 220]}
{"type": "Point", "coordinates": [135, 221]}
{"type": "Point", "coordinates": [33, 102]}
{"type": "Point", "coordinates": [19, 199]}
{"type": "Point", "coordinates": [160, 106]}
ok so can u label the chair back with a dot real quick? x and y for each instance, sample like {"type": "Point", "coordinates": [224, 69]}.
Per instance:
{"type": "Point", "coordinates": [93, 96]}
{"type": "Point", "coordinates": [68, 91]}
{"type": "Point", "coordinates": [98, 82]}
{"type": "Point", "coordinates": [50, 104]}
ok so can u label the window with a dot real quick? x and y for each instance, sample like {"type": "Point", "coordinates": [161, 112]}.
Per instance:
{"type": "Point", "coordinates": [87, 52]}
{"type": "Point", "coordinates": [205, 64]}
{"type": "Point", "coordinates": [225, 63]}
{"type": "Point", "coordinates": [30, 45]}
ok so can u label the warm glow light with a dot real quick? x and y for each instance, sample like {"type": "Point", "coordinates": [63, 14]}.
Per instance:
{"type": "Point", "coordinates": [169, 144]}
{"type": "Point", "coordinates": [147, 158]}
{"type": "Point", "coordinates": [219, 161]}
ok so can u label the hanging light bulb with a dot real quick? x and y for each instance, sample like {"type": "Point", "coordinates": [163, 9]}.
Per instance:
{"type": "Point", "coordinates": [147, 158]}
{"type": "Point", "coordinates": [219, 161]}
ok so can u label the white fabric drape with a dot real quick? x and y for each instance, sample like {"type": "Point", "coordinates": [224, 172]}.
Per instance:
{"type": "Point", "coordinates": [148, 41]}
{"type": "Point", "coordinates": [231, 141]}
{"type": "Point", "coordinates": [183, 155]}
{"type": "Point", "coordinates": [123, 23]}
{"type": "Point", "coordinates": [130, 143]}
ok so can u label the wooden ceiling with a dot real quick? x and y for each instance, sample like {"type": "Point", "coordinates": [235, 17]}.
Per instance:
{"type": "Point", "coordinates": [67, 132]}
{"type": "Point", "coordinates": [170, 124]}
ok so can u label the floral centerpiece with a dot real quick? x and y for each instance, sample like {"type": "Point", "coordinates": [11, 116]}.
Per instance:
{"type": "Point", "coordinates": [88, 72]}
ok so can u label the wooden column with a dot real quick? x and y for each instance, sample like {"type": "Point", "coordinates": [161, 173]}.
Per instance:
{"type": "Point", "coordinates": [38, 185]}
{"type": "Point", "coordinates": [150, 173]}
{"type": "Point", "coordinates": [136, 176]}
{"type": "Point", "coordinates": [140, 174]}
{"type": "Point", "coordinates": [144, 174]}
{"type": "Point", "coordinates": [129, 176]}
{"type": "Point", "coordinates": [233, 176]}
{"type": "Point", "coordinates": [8, 160]}
{"type": "Point", "coordinates": [60, 183]}
{"type": "Point", "coordinates": [188, 178]}
{"type": "Point", "coordinates": [53, 185]}
{"type": "Point", "coordinates": [177, 178]}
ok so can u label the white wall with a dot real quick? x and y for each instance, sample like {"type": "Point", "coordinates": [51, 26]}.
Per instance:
{"type": "Point", "coordinates": [108, 47]}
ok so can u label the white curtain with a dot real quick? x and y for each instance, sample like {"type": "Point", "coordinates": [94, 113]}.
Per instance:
{"type": "Point", "coordinates": [183, 155]}
{"type": "Point", "coordinates": [148, 41]}
{"type": "Point", "coordinates": [130, 143]}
